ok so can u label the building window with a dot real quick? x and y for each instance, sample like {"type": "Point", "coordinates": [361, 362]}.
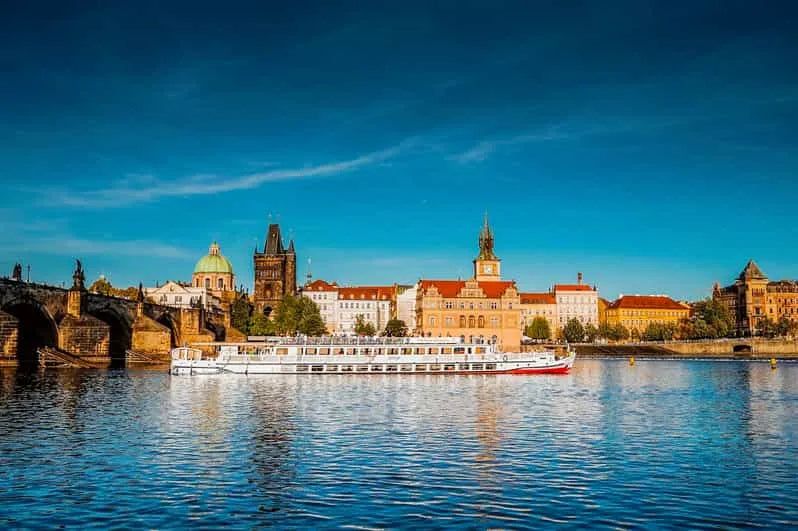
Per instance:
{"type": "Point", "coordinates": [432, 321]}
{"type": "Point", "coordinates": [481, 321]}
{"type": "Point", "coordinates": [494, 305]}
{"type": "Point", "coordinates": [207, 283]}
{"type": "Point", "coordinates": [220, 283]}
{"type": "Point", "coordinates": [472, 322]}
{"type": "Point", "coordinates": [462, 321]}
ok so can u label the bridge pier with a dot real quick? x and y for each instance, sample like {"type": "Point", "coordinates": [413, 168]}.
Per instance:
{"type": "Point", "coordinates": [81, 334]}
{"type": "Point", "coordinates": [9, 339]}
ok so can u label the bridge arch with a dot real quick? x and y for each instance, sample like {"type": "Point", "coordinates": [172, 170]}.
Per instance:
{"type": "Point", "coordinates": [121, 334]}
{"type": "Point", "coordinates": [743, 348]}
{"type": "Point", "coordinates": [37, 328]}
{"type": "Point", "coordinates": [169, 321]}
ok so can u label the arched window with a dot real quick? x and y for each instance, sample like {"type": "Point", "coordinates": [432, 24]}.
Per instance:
{"type": "Point", "coordinates": [196, 283]}
{"type": "Point", "coordinates": [481, 321]}
{"type": "Point", "coordinates": [220, 283]}
{"type": "Point", "coordinates": [462, 321]}
{"type": "Point", "coordinates": [472, 322]}
{"type": "Point", "coordinates": [207, 283]}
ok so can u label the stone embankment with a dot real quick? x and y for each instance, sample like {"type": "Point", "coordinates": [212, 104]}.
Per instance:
{"type": "Point", "coordinates": [718, 349]}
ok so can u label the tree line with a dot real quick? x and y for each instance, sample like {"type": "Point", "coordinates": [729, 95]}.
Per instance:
{"type": "Point", "coordinates": [710, 320]}
{"type": "Point", "coordinates": [298, 315]}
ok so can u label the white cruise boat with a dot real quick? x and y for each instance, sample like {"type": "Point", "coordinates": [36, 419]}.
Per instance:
{"type": "Point", "coordinates": [366, 355]}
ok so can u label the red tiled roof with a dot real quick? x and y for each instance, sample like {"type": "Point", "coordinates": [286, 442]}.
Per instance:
{"type": "Point", "coordinates": [320, 285]}
{"type": "Point", "coordinates": [366, 293]}
{"type": "Point", "coordinates": [647, 302]}
{"type": "Point", "coordinates": [572, 287]}
{"type": "Point", "coordinates": [450, 288]}
{"type": "Point", "coordinates": [537, 298]}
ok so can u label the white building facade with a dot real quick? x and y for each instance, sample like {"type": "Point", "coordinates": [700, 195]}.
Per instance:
{"type": "Point", "coordinates": [178, 295]}
{"type": "Point", "coordinates": [340, 306]}
{"type": "Point", "coordinates": [576, 301]}
{"type": "Point", "coordinates": [406, 306]}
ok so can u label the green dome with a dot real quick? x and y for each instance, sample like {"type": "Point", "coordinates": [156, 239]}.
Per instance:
{"type": "Point", "coordinates": [213, 262]}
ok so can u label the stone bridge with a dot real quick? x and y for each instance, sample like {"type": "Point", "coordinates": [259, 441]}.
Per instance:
{"type": "Point", "coordinates": [99, 329]}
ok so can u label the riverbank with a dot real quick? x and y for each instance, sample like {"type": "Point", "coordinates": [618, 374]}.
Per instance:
{"type": "Point", "coordinates": [662, 352]}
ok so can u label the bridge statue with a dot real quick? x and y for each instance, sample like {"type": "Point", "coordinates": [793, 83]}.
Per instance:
{"type": "Point", "coordinates": [17, 273]}
{"type": "Point", "coordinates": [78, 278]}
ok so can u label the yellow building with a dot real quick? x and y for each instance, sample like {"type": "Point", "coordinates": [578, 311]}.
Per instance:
{"type": "Point", "coordinates": [484, 306]}
{"type": "Point", "coordinates": [636, 312]}
{"type": "Point", "coordinates": [753, 299]}
{"type": "Point", "coordinates": [539, 305]}
{"type": "Point", "coordinates": [603, 304]}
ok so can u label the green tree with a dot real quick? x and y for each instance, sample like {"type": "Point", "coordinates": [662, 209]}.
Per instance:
{"type": "Point", "coordinates": [538, 329]}
{"type": "Point", "coordinates": [101, 286]}
{"type": "Point", "coordinates": [606, 331]}
{"type": "Point", "coordinates": [260, 325]}
{"type": "Point", "coordinates": [363, 327]}
{"type": "Point", "coordinates": [659, 332]}
{"type": "Point", "coordinates": [299, 315]}
{"type": "Point", "coordinates": [768, 327]}
{"type": "Point", "coordinates": [783, 326]}
{"type": "Point", "coordinates": [573, 331]}
{"type": "Point", "coordinates": [240, 313]}
{"type": "Point", "coordinates": [718, 322]}
{"type": "Point", "coordinates": [621, 332]}
{"type": "Point", "coordinates": [395, 328]}
{"type": "Point", "coordinates": [591, 332]}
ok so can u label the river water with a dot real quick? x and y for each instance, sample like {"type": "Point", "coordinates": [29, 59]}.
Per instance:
{"type": "Point", "coordinates": [668, 444]}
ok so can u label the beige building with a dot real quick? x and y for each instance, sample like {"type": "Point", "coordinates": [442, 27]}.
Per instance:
{"type": "Point", "coordinates": [484, 306]}
{"type": "Point", "coordinates": [539, 305]}
{"type": "Point", "coordinates": [753, 298]}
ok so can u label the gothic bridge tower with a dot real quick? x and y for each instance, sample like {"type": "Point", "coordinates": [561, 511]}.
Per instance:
{"type": "Point", "coordinates": [275, 271]}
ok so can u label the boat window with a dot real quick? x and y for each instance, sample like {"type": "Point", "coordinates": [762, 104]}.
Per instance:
{"type": "Point", "coordinates": [420, 350]}
{"type": "Point", "coordinates": [316, 368]}
{"type": "Point", "coordinates": [324, 351]}
{"type": "Point", "coordinates": [376, 368]}
{"type": "Point", "coordinates": [476, 366]}
{"type": "Point", "coordinates": [390, 368]}
{"type": "Point", "coordinates": [332, 368]}
{"type": "Point", "coordinates": [350, 351]}
{"type": "Point", "coordinates": [480, 350]}
{"type": "Point", "coordinates": [490, 366]}
{"type": "Point", "coordinates": [434, 350]}
{"type": "Point", "coordinates": [459, 350]}
{"type": "Point", "coordinates": [362, 368]}
{"type": "Point", "coordinates": [421, 367]}
{"type": "Point", "coordinates": [393, 351]}
{"type": "Point", "coordinates": [346, 368]}
{"type": "Point", "coordinates": [448, 367]}
{"type": "Point", "coordinates": [406, 368]}
{"type": "Point", "coordinates": [434, 367]}
{"type": "Point", "coordinates": [301, 368]}
{"type": "Point", "coordinates": [462, 367]}
{"type": "Point", "coordinates": [446, 350]}
{"type": "Point", "coordinates": [282, 351]}
{"type": "Point", "coordinates": [310, 350]}
{"type": "Point", "coordinates": [378, 351]}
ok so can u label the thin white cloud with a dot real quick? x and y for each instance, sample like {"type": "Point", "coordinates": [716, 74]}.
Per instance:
{"type": "Point", "coordinates": [485, 148]}
{"type": "Point", "coordinates": [123, 194]}
{"type": "Point", "coordinates": [69, 246]}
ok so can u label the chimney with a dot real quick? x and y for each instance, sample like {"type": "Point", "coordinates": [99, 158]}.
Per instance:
{"type": "Point", "coordinates": [579, 278]}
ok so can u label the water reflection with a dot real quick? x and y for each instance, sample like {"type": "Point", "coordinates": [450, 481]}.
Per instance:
{"type": "Point", "coordinates": [691, 443]}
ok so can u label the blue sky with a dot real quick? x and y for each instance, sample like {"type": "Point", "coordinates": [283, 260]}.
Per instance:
{"type": "Point", "coordinates": [651, 146]}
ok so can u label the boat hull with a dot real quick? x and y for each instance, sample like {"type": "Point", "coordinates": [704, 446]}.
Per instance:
{"type": "Point", "coordinates": [513, 364]}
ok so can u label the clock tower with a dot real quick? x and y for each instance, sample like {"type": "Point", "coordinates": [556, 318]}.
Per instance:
{"type": "Point", "coordinates": [486, 266]}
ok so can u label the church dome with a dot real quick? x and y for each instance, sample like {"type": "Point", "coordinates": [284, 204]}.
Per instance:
{"type": "Point", "coordinates": [213, 262]}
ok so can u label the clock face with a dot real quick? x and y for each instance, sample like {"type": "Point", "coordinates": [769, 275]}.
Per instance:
{"type": "Point", "coordinates": [488, 268]}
